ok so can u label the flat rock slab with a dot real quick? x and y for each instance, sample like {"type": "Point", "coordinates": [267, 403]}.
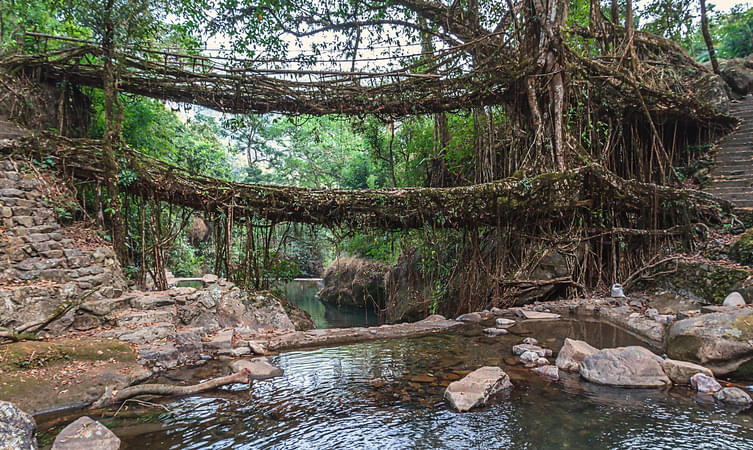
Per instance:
{"type": "Point", "coordinates": [535, 315]}
{"type": "Point", "coordinates": [630, 367]}
{"type": "Point", "coordinates": [85, 433]}
{"type": "Point", "coordinates": [681, 371]}
{"type": "Point", "coordinates": [476, 388]}
{"type": "Point", "coordinates": [572, 353]}
{"type": "Point", "coordinates": [259, 368]}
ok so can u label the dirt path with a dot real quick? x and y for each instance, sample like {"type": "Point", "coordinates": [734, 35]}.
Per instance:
{"type": "Point", "coordinates": [732, 177]}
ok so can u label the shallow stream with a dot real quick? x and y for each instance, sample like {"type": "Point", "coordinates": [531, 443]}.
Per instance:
{"type": "Point", "coordinates": [388, 394]}
{"type": "Point", "coordinates": [302, 293]}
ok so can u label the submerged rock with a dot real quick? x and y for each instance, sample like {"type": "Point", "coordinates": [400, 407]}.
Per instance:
{"type": "Point", "coordinates": [470, 317]}
{"type": "Point", "coordinates": [495, 331]}
{"type": "Point", "coordinates": [522, 348]}
{"type": "Point", "coordinates": [704, 384]}
{"type": "Point", "coordinates": [548, 371]}
{"type": "Point", "coordinates": [86, 433]}
{"type": "Point", "coordinates": [17, 428]}
{"type": "Point", "coordinates": [259, 368]}
{"type": "Point", "coordinates": [573, 352]}
{"type": "Point", "coordinates": [476, 388]}
{"type": "Point", "coordinates": [681, 371]}
{"type": "Point", "coordinates": [721, 341]}
{"type": "Point", "coordinates": [733, 396]}
{"type": "Point", "coordinates": [529, 357]}
{"type": "Point", "coordinates": [504, 323]}
{"type": "Point", "coordinates": [632, 367]}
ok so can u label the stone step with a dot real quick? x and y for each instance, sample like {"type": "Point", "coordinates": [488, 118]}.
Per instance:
{"type": "Point", "coordinates": [135, 317]}
{"type": "Point", "coordinates": [152, 301]}
{"type": "Point", "coordinates": [146, 334]}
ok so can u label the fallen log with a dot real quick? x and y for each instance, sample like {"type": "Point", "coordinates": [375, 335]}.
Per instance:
{"type": "Point", "coordinates": [113, 397]}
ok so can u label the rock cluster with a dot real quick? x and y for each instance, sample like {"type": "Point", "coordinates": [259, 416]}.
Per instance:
{"type": "Point", "coordinates": [36, 248]}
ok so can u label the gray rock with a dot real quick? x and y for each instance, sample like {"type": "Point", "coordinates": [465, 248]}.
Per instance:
{"type": "Point", "coordinates": [681, 371]}
{"type": "Point", "coordinates": [542, 362]}
{"type": "Point", "coordinates": [738, 77]}
{"type": "Point", "coordinates": [733, 396]}
{"type": "Point", "coordinates": [259, 368]}
{"type": "Point", "coordinates": [84, 434]}
{"type": "Point", "coordinates": [633, 367]}
{"type": "Point", "coordinates": [495, 331]}
{"type": "Point", "coordinates": [529, 357]}
{"type": "Point", "coordinates": [257, 347]}
{"type": "Point", "coordinates": [497, 311]}
{"type": "Point", "coordinates": [476, 388]}
{"type": "Point", "coordinates": [536, 315]}
{"type": "Point", "coordinates": [721, 341]}
{"type": "Point", "coordinates": [470, 317]}
{"type": "Point", "coordinates": [504, 323]}
{"type": "Point", "coordinates": [220, 342]}
{"type": "Point", "coordinates": [572, 353]}
{"type": "Point", "coordinates": [240, 351]}
{"type": "Point", "coordinates": [147, 334]}
{"type": "Point", "coordinates": [530, 341]}
{"type": "Point", "coordinates": [734, 299]}
{"type": "Point", "coordinates": [704, 384]}
{"type": "Point", "coordinates": [17, 428]}
{"type": "Point", "coordinates": [145, 317]}
{"type": "Point", "coordinates": [548, 371]}
{"type": "Point", "coordinates": [209, 279]}
{"type": "Point", "coordinates": [522, 348]}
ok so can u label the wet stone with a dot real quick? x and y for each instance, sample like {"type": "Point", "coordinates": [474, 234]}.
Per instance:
{"type": "Point", "coordinates": [259, 368]}
{"type": "Point", "coordinates": [704, 384]}
{"type": "Point", "coordinates": [86, 433]}
{"type": "Point", "coordinates": [477, 388]}
{"type": "Point", "coordinates": [522, 348]}
{"type": "Point", "coordinates": [733, 396]}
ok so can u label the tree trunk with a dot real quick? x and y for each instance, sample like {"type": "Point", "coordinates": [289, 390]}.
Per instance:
{"type": "Point", "coordinates": [111, 138]}
{"type": "Point", "coordinates": [707, 38]}
{"type": "Point", "coordinates": [615, 10]}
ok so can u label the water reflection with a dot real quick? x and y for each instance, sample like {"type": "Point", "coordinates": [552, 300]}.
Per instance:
{"type": "Point", "coordinates": [302, 293]}
{"type": "Point", "coordinates": [388, 394]}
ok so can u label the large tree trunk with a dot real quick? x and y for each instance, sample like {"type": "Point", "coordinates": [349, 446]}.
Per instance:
{"type": "Point", "coordinates": [707, 38]}
{"type": "Point", "coordinates": [112, 137]}
{"type": "Point", "coordinates": [545, 44]}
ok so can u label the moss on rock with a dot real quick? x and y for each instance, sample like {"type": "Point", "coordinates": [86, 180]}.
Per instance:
{"type": "Point", "coordinates": [742, 249]}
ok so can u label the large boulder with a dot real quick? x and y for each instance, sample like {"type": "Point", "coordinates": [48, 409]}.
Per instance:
{"type": "Point", "coordinates": [17, 428]}
{"type": "Point", "coordinates": [681, 371]}
{"type": "Point", "coordinates": [355, 282]}
{"type": "Point", "coordinates": [711, 89]}
{"type": "Point", "coordinates": [738, 77]}
{"type": "Point", "coordinates": [721, 341]}
{"type": "Point", "coordinates": [86, 433]}
{"type": "Point", "coordinates": [573, 353]}
{"type": "Point", "coordinates": [632, 367]}
{"type": "Point", "coordinates": [476, 388]}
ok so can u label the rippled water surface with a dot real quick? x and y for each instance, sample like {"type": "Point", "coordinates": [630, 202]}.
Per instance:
{"type": "Point", "coordinates": [388, 394]}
